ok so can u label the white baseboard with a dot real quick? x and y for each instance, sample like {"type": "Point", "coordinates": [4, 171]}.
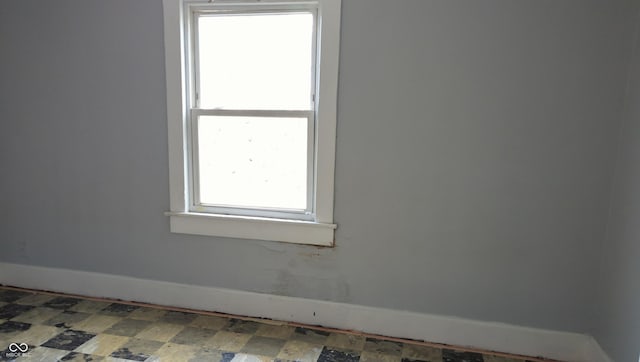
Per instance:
{"type": "Point", "coordinates": [490, 336]}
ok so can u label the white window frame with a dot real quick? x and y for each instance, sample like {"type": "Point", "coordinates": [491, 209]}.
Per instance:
{"type": "Point", "coordinates": [315, 226]}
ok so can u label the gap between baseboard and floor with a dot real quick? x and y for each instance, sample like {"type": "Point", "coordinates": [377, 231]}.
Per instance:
{"type": "Point", "coordinates": [445, 330]}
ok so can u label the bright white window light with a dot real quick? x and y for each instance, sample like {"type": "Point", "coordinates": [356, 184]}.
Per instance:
{"type": "Point", "coordinates": [250, 62]}
{"type": "Point", "coordinates": [253, 162]}
{"type": "Point", "coordinates": [255, 61]}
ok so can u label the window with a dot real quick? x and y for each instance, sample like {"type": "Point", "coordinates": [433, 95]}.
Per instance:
{"type": "Point", "coordinates": [251, 105]}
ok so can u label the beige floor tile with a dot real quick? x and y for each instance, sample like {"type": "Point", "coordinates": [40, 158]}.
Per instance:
{"type": "Point", "coordinates": [274, 331]}
{"type": "Point", "coordinates": [35, 299]}
{"type": "Point", "coordinates": [137, 349]}
{"type": "Point", "coordinates": [37, 334]}
{"type": "Point", "coordinates": [4, 342]}
{"type": "Point", "coordinates": [37, 315]}
{"type": "Point", "coordinates": [11, 334]}
{"type": "Point", "coordinates": [238, 325]}
{"type": "Point", "coordinates": [414, 351]}
{"type": "Point", "coordinates": [97, 323]}
{"type": "Point", "coordinates": [300, 351]}
{"type": "Point", "coordinates": [68, 319]}
{"type": "Point", "coordinates": [174, 353]}
{"type": "Point", "coordinates": [43, 354]}
{"type": "Point", "coordinates": [147, 314]}
{"type": "Point", "coordinates": [177, 317]}
{"type": "Point", "coordinates": [81, 357]}
{"type": "Point", "coordinates": [378, 357]}
{"type": "Point", "coordinates": [242, 357]}
{"type": "Point", "coordinates": [161, 332]}
{"type": "Point", "coordinates": [229, 341]}
{"type": "Point", "coordinates": [264, 346]}
{"type": "Point", "coordinates": [194, 336]}
{"type": "Point", "coordinates": [89, 306]}
{"type": "Point", "coordinates": [209, 322]}
{"type": "Point", "coordinates": [113, 359]}
{"type": "Point", "coordinates": [346, 341]}
{"type": "Point", "coordinates": [207, 354]}
{"type": "Point", "coordinates": [102, 344]}
{"type": "Point", "coordinates": [383, 347]}
{"type": "Point", "coordinates": [128, 327]}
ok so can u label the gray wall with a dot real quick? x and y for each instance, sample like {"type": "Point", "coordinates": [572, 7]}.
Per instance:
{"type": "Point", "coordinates": [618, 309]}
{"type": "Point", "coordinates": [475, 140]}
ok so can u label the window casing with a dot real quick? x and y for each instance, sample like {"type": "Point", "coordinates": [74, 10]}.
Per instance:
{"type": "Point", "coordinates": [197, 207]}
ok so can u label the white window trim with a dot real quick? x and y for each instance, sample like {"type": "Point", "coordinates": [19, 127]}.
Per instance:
{"type": "Point", "coordinates": [317, 232]}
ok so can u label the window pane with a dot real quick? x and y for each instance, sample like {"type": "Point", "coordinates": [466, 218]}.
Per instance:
{"type": "Point", "coordinates": [253, 161]}
{"type": "Point", "coordinates": [256, 61]}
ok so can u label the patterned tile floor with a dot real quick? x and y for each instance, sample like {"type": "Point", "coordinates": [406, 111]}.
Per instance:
{"type": "Point", "coordinates": [52, 327]}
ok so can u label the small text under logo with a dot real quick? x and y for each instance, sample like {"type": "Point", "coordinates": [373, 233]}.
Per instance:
{"type": "Point", "coordinates": [16, 350]}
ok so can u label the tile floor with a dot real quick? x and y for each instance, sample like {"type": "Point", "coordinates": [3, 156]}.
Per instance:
{"type": "Point", "coordinates": [51, 327]}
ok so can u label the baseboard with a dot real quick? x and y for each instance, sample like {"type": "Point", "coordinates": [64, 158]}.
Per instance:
{"type": "Point", "coordinates": [433, 328]}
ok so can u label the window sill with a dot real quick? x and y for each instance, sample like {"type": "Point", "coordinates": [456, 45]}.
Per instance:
{"type": "Point", "coordinates": [288, 231]}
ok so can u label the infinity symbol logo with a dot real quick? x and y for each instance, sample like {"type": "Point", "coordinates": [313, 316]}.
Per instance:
{"type": "Point", "coordinates": [22, 347]}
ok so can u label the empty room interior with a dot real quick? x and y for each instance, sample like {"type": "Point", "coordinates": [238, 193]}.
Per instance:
{"type": "Point", "coordinates": [455, 181]}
